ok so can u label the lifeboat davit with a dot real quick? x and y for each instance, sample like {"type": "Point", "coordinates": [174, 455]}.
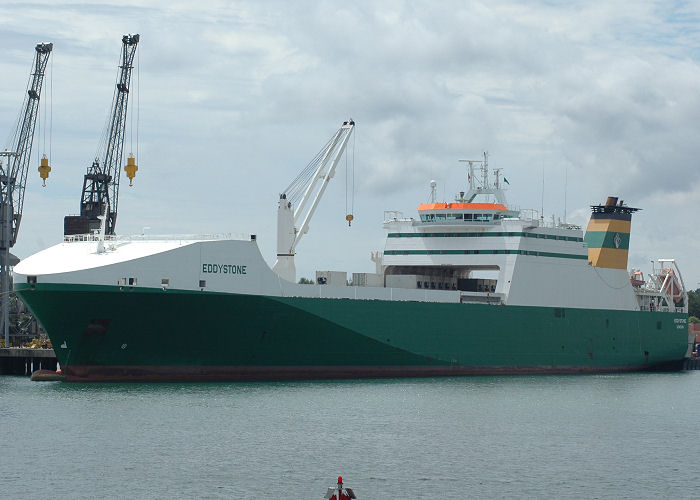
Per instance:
{"type": "Point", "coordinates": [671, 286]}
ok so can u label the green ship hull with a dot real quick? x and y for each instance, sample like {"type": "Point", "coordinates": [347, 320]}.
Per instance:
{"type": "Point", "coordinates": [103, 333]}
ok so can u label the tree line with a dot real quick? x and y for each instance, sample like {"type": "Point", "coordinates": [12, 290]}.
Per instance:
{"type": "Point", "coordinates": [694, 305]}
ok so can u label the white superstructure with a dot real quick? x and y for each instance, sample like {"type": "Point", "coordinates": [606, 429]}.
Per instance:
{"type": "Point", "coordinates": [223, 264]}
{"type": "Point", "coordinates": [530, 262]}
{"type": "Point", "coordinates": [466, 251]}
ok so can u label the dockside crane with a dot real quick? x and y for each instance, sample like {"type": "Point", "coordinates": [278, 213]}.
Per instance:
{"type": "Point", "coordinates": [13, 172]}
{"type": "Point", "coordinates": [100, 193]}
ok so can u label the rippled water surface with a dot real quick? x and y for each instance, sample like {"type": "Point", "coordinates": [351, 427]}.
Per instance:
{"type": "Point", "coordinates": [612, 436]}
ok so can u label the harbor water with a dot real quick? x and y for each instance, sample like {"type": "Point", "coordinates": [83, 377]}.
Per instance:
{"type": "Point", "coordinates": [599, 436]}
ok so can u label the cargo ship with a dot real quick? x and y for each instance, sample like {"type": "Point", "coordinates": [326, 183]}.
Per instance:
{"type": "Point", "coordinates": [470, 287]}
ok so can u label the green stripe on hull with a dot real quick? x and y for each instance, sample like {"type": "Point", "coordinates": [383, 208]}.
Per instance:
{"type": "Point", "coordinates": [106, 326]}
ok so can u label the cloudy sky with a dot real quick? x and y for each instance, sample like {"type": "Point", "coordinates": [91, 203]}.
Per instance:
{"type": "Point", "coordinates": [235, 98]}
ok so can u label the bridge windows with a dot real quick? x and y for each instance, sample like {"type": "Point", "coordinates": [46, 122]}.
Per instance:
{"type": "Point", "coordinates": [442, 217]}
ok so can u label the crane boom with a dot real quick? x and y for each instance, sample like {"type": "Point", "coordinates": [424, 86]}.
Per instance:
{"type": "Point", "coordinates": [319, 170]}
{"type": "Point", "coordinates": [100, 194]}
{"type": "Point", "coordinates": [13, 176]}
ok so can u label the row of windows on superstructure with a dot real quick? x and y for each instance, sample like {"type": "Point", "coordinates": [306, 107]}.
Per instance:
{"type": "Point", "coordinates": [488, 234]}
{"type": "Point", "coordinates": [471, 217]}
{"type": "Point", "coordinates": [485, 252]}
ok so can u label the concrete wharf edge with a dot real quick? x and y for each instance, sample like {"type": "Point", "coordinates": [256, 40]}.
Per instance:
{"type": "Point", "coordinates": [26, 352]}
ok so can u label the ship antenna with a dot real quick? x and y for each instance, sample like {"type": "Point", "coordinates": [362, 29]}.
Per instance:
{"type": "Point", "coordinates": [566, 181]}
{"type": "Point", "coordinates": [433, 191]}
{"type": "Point", "coordinates": [542, 200]}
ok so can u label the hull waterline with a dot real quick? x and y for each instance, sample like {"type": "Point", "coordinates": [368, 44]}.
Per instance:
{"type": "Point", "coordinates": [120, 333]}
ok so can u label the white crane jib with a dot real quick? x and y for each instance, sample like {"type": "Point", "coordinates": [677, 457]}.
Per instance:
{"type": "Point", "coordinates": [310, 184]}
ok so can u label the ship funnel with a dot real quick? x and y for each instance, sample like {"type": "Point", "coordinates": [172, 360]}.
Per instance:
{"type": "Point", "coordinates": [608, 234]}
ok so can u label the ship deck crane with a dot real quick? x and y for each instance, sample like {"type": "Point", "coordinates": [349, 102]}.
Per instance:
{"type": "Point", "coordinates": [100, 193]}
{"type": "Point", "coordinates": [13, 173]}
{"type": "Point", "coordinates": [310, 184]}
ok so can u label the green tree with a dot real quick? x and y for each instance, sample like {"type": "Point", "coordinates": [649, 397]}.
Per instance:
{"type": "Point", "coordinates": [694, 303]}
{"type": "Point", "coordinates": [305, 281]}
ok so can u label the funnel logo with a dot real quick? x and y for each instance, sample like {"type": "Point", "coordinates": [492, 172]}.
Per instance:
{"type": "Point", "coordinates": [617, 240]}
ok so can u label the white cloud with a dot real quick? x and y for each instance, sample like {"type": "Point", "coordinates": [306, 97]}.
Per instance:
{"type": "Point", "coordinates": [236, 98]}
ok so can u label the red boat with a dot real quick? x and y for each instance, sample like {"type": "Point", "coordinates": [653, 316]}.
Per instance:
{"type": "Point", "coordinates": [339, 492]}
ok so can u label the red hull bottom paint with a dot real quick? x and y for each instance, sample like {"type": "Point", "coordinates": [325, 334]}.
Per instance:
{"type": "Point", "coordinates": [46, 376]}
{"type": "Point", "coordinates": [265, 373]}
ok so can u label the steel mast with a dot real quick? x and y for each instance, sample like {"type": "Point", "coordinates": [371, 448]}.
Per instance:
{"type": "Point", "coordinates": [100, 193]}
{"type": "Point", "coordinates": [13, 174]}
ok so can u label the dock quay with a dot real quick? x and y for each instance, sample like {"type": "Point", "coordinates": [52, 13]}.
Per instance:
{"type": "Point", "coordinates": [691, 364]}
{"type": "Point", "coordinates": [25, 361]}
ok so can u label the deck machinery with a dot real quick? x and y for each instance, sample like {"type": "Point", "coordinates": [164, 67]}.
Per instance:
{"type": "Point", "coordinates": [309, 185]}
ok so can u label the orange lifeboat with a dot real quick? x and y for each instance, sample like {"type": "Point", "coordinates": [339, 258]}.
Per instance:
{"type": "Point", "coordinates": [636, 278]}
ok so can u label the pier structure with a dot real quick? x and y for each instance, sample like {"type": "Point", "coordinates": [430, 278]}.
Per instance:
{"type": "Point", "coordinates": [25, 361]}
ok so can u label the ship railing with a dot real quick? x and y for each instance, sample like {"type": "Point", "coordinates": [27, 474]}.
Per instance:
{"type": "Point", "coordinates": [149, 237]}
{"type": "Point", "coordinates": [674, 309]}
{"type": "Point", "coordinates": [481, 298]}
{"type": "Point", "coordinates": [395, 216]}
{"type": "Point", "coordinates": [647, 307]}
{"type": "Point", "coordinates": [534, 217]}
